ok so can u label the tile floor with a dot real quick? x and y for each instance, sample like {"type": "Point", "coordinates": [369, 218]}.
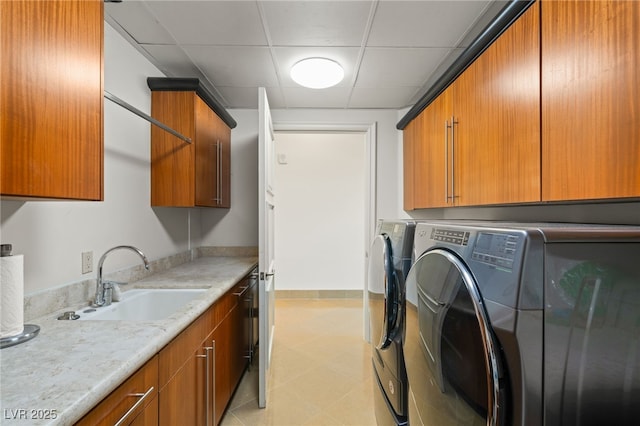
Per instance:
{"type": "Point", "coordinates": [321, 372]}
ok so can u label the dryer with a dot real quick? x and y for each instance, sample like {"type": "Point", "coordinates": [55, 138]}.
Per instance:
{"type": "Point", "coordinates": [389, 263]}
{"type": "Point", "coordinates": [524, 324]}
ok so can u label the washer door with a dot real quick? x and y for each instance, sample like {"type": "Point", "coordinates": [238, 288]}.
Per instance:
{"type": "Point", "coordinates": [450, 351]}
{"type": "Point", "coordinates": [383, 304]}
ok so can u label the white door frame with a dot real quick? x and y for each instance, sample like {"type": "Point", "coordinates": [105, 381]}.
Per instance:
{"type": "Point", "coordinates": [371, 143]}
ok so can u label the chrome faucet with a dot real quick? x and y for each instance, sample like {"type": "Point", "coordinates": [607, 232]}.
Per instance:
{"type": "Point", "coordinates": [102, 287]}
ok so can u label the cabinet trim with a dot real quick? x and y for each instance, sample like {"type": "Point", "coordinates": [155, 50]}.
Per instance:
{"type": "Point", "coordinates": [507, 16]}
{"type": "Point", "coordinates": [167, 84]}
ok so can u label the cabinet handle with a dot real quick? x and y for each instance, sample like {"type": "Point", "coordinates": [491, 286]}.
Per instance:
{"type": "Point", "coordinates": [213, 351]}
{"type": "Point", "coordinates": [453, 158]}
{"type": "Point", "coordinates": [206, 384]}
{"type": "Point", "coordinates": [249, 355]}
{"type": "Point", "coordinates": [218, 198]}
{"type": "Point", "coordinates": [142, 397]}
{"type": "Point", "coordinates": [244, 290]}
{"type": "Point", "coordinates": [446, 162]}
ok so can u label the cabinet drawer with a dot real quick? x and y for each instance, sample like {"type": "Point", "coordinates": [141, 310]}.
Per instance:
{"type": "Point", "coordinates": [229, 301]}
{"type": "Point", "coordinates": [127, 401]}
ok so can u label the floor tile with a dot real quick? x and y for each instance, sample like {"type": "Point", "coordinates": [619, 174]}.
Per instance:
{"type": "Point", "coordinates": [321, 369]}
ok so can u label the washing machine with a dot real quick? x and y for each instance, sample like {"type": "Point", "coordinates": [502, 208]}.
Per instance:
{"type": "Point", "coordinates": [388, 266]}
{"type": "Point", "coordinates": [524, 324]}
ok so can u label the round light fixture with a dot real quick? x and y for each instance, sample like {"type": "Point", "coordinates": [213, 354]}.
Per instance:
{"type": "Point", "coordinates": [317, 73]}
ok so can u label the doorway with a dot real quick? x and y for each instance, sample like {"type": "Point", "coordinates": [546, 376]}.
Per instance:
{"type": "Point", "coordinates": [321, 181]}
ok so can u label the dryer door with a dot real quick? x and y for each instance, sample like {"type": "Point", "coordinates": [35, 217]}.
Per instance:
{"type": "Point", "coordinates": [382, 294]}
{"type": "Point", "coordinates": [450, 351]}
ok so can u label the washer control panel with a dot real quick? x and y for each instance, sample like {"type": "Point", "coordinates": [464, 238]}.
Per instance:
{"type": "Point", "coordinates": [496, 249]}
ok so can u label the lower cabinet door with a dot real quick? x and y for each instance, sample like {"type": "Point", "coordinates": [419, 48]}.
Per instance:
{"type": "Point", "coordinates": [221, 337]}
{"type": "Point", "coordinates": [182, 399]}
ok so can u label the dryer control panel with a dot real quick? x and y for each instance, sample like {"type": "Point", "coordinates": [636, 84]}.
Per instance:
{"type": "Point", "coordinates": [496, 249]}
{"type": "Point", "coordinates": [460, 238]}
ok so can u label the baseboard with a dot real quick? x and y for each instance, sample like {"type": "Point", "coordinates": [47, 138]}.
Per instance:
{"type": "Point", "coordinates": [319, 294]}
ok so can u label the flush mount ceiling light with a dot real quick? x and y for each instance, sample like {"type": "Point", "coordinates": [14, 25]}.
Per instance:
{"type": "Point", "coordinates": [317, 73]}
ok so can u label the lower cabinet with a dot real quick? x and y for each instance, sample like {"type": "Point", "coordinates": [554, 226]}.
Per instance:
{"type": "Point", "coordinates": [201, 368]}
{"type": "Point", "coordinates": [192, 379]}
{"type": "Point", "coordinates": [134, 402]}
{"type": "Point", "coordinates": [222, 341]}
{"type": "Point", "coordinates": [182, 398]}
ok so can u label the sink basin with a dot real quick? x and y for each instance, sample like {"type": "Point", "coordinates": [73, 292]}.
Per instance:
{"type": "Point", "coordinates": [144, 305]}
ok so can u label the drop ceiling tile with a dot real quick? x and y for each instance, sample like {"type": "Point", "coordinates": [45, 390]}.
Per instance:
{"type": "Point", "coordinates": [394, 67]}
{"type": "Point", "coordinates": [172, 60]}
{"type": "Point", "coordinates": [235, 65]}
{"type": "Point", "coordinates": [228, 46]}
{"type": "Point", "coordinates": [247, 97]}
{"type": "Point", "coordinates": [299, 97]}
{"type": "Point", "coordinates": [286, 57]}
{"type": "Point", "coordinates": [138, 22]}
{"type": "Point", "coordinates": [382, 97]}
{"type": "Point", "coordinates": [423, 23]}
{"type": "Point", "coordinates": [316, 23]}
{"type": "Point", "coordinates": [211, 22]}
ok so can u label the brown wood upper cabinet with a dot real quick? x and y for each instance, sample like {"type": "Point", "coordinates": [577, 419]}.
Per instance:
{"type": "Point", "coordinates": [432, 145]}
{"type": "Point", "coordinates": [51, 126]}
{"type": "Point", "coordinates": [590, 102]}
{"type": "Point", "coordinates": [478, 143]}
{"type": "Point", "coordinates": [189, 174]}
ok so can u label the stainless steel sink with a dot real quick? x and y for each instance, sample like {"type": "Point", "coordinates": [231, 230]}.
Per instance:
{"type": "Point", "coordinates": [144, 305]}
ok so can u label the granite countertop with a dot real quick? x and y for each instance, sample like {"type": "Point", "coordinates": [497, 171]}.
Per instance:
{"type": "Point", "coordinates": [72, 365]}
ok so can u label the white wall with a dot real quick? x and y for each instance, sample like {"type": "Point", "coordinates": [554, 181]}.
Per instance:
{"type": "Point", "coordinates": [240, 225]}
{"type": "Point", "coordinates": [53, 234]}
{"type": "Point", "coordinates": [320, 210]}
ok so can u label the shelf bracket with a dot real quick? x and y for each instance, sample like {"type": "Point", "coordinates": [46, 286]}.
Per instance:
{"type": "Point", "coordinates": [139, 113]}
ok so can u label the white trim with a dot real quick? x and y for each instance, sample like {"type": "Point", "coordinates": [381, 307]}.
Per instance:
{"type": "Point", "coordinates": [322, 127]}
{"type": "Point", "coordinates": [371, 142]}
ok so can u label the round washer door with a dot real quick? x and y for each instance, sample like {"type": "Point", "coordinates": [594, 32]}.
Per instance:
{"type": "Point", "coordinates": [382, 295]}
{"type": "Point", "coordinates": [451, 354]}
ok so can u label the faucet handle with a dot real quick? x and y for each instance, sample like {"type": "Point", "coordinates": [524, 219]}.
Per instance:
{"type": "Point", "coordinates": [107, 294]}
{"type": "Point", "coordinates": [112, 284]}
{"type": "Point", "coordinates": [112, 291]}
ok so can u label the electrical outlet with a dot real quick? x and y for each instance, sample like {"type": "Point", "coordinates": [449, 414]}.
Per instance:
{"type": "Point", "coordinates": [87, 262]}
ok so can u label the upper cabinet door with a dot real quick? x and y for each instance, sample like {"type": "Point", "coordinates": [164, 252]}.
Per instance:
{"type": "Point", "coordinates": [431, 154]}
{"type": "Point", "coordinates": [172, 159]}
{"type": "Point", "coordinates": [496, 134]}
{"type": "Point", "coordinates": [51, 98]}
{"type": "Point", "coordinates": [590, 100]}
{"type": "Point", "coordinates": [213, 146]}
{"type": "Point", "coordinates": [223, 176]}
{"type": "Point", "coordinates": [207, 153]}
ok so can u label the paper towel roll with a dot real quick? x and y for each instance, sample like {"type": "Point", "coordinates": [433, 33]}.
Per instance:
{"type": "Point", "coordinates": [12, 303]}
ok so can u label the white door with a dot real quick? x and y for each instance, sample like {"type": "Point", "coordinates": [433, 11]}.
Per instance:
{"type": "Point", "coordinates": [266, 246]}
